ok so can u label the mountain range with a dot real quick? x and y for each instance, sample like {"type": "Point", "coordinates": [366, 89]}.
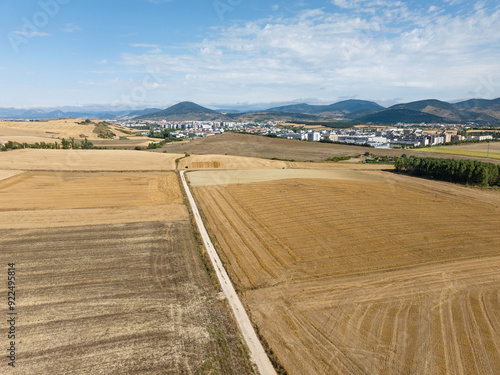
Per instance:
{"type": "Point", "coordinates": [480, 111]}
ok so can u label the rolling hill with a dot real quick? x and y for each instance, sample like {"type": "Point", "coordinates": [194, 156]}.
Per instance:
{"type": "Point", "coordinates": [449, 112]}
{"type": "Point", "coordinates": [479, 111]}
{"type": "Point", "coordinates": [394, 116]}
{"type": "Point", "coordinates": [483, 107]}
{"type": "Point", "coordinates": [346, 106]}
{"type": "Point", "coordinates": [183, 111]}
{"type": "Point", "coordinates": [191, 111]}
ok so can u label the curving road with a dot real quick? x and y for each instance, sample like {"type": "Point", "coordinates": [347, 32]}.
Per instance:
{"type": "Point", "coordinates": [257, 352]}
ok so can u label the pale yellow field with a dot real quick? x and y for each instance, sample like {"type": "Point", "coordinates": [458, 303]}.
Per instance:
{"type": "Point", "coordinates": [44, 131]}
{"type": "Point", "coordinates": [8, 174]}
{"type": "Point", "coordinates": [71, 199]}
{"type": "Point", "coordinates": [228, 162]}
{"type": "Point", "coordinates": [388, 276]}
{"type": "Point", "coordinates": [241, 162]}
{"type": "Point", "coordinates": [87, 160]}
{"type": "Point", "coordinates": [205, 178]}
{"type": "Point", "coordinates": [54, 130]}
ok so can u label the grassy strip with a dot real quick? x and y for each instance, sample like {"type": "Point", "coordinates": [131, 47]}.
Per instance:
{"type": "Point", "coordinates": [452, 151]}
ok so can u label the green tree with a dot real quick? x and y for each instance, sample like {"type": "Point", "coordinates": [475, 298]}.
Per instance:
{"type": "Point", "coordinates": [65, 144]}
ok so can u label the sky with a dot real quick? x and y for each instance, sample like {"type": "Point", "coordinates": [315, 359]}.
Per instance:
{"type": "Point", "coordinates": [230, 53]}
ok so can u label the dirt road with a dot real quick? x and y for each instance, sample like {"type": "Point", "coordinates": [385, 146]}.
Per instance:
{"type": "Point", "coordinates": [257, 353]}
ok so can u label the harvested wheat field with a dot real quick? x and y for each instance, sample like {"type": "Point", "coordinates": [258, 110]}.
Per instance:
{"type": "Point", "coordinates": [367, 276]}
{"type": "Point", "coordinates": [228, 162]}
{"type": "Point", "coordinates": [44, 131]}
{"type": "Point", "coordinates": [225, 162]}
{"type": "Point", "coordinates": [109, 278]}
{"type": "Point", "coordinates": [54, 130]}
{"type": "Point", "coordinates": [87, 160]}
{"type": "Point", "coordinates": [205, 178]}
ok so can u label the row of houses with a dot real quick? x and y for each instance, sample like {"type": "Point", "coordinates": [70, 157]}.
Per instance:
{"type": "Point", "coordinates": [380, 139]}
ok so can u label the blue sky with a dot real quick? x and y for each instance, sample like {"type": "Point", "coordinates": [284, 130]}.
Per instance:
{"type": "Point", "coordinates": [222, 53]}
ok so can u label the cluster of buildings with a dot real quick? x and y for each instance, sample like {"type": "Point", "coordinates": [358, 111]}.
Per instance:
{"type": "Point", "coordinates": [191, 129]}
{"type": "Point", "coordinates": [387, 138]}
{"type": "Point", "coordinates": [405, 137]}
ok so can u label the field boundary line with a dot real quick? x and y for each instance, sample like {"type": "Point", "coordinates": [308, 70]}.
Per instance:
{"type": "Point", "coordinates": [257, 352]}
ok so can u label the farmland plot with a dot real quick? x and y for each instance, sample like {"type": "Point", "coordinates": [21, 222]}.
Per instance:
{"type": "Point", "coordinates": [364, 277]}
{"type": "Point", "coordinates": [109, 278]}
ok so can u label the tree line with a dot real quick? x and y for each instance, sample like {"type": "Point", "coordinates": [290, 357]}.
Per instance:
{"type": "Point", "coordinates": [65, 144]}
{"type": "Point", "coordinates": [469, 172]}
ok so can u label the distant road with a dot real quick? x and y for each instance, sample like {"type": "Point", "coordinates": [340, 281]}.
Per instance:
{"type": "Point", "coordinates": [257, 352]}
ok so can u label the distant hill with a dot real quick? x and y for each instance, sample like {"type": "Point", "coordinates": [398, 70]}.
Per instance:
{"type": "Point", "coordinates": [353, 105]}
{"type": "Point", "coordinates": [478, 111]}
{"type": "Point", "coordinates": [183, 111]}
{"type": "Point", "coordinates": [355, 116]}
{"type": "Point", "coordinates": [346, 106]}
{"type": "Point", "coordinates": [450, 112]}
{"type": "Point", "coordinates": [265, 116]}
{"type": "Point", "coordinates": [488, 110]}
{"type": "Point", "coordinates": [393, 116]}
{"type": "Point", "coordinates": [438, 108]}
{"type": "Point", "coordinates": [143, 112]}
{"type": "Point", "coordinates": [295, 108]}
{"type": "Point", "coordinates": [192, 111]}
{"type": "Point", "coordinates": [479, 103]}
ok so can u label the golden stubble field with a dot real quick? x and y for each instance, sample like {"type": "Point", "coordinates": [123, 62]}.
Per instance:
{"type": "Point", "coordinates": [390, 275]}
{"type": "Point", "coordinates": [87, 160]}
{"type": "Point", "coordinates": [109, 278]}
{"type": "Point", "coordinates": [51, 131]}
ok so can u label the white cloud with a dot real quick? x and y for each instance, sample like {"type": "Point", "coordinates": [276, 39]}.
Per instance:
{"type": "Point", "coordinates": [103, 61]}
{"type": "Point", "coordinates": [71, 28]}
{"type": "Point", "coordinates": [331, 53]}
{"type": "Point", "coordinates": [109, 82]}
{"type": "Point", "coordinates": [144, 45]}
{"type": "Point", "coordinates": [31, 33]}
{"type": "Point", "coordinates": [343, 3]}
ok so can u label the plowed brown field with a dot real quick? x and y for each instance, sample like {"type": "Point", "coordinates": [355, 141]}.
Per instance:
{"type": "Point", "coordinates": [365, 277]}
{"type": "Point", "coordinates": [109, 279]}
